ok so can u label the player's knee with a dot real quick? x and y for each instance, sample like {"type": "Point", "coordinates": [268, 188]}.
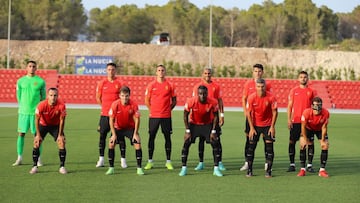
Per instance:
{"type": "Point", "coordinates": [137, 146]}
{"type": "Point", "coordinates": [61, 143]}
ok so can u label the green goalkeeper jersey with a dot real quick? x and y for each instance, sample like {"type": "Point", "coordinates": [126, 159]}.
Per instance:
{"type": "Point", "coordinates": [29, 92]}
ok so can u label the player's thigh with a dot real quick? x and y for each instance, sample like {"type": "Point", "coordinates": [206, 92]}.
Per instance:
{"type": "Point", "coordinates": [23, 123]}
{"type": "Point", "coordinates": [166, 125]}
{"type": "Point", "coordinates": [295, 132]}
{"type": "Point", "coordinates": [154, 124]}
{"type": "Point", "coordinates": [104, 125]}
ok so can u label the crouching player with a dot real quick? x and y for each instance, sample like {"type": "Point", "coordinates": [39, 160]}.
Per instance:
{"type": "Point", "coordinates": [261, 112]}
{"type": "Point", "coordinates": [200, 119]}
{"type": "Point", "coordinates": [50, 118]}
{"type": "Point", "coordinates": [314, 121]}
{"type": "Point", "coordinates": [124, 119]}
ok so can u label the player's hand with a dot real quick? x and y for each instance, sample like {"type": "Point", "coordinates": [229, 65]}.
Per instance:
{"type": "Point", "coordinates": [303, 142]}
{"type": "Point", "coordinates": [136, 138]}
{"type": "Point", "coordinates": [37, 140]}
{"type": "Point", "coordinates": [290, 125]}
{"type": "Point", "coordinates": [113, 139]}
{"type": "Point", "coordinates": [221, 121]}
{"type": "Point", "coordinates": [252, 132]}
{"type": "Point", "coordinates": [187, 136]}
{"type": "Point", "coordinates": [271, 133]}
{"type": "Point", "coordinates": [213, 137]}
{"type": "Point", "coordinates": [324, 144]}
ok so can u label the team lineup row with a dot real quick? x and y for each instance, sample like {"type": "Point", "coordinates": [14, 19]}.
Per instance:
{"type": "Point", "coordinates": [203, 118]}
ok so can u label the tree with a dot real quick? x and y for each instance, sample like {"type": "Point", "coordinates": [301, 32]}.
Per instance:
{"type": "Point", "coordinates": [45, 20]}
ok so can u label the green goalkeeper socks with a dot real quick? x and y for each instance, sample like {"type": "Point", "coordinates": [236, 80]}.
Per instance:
{"type": "Point", "coordinates": [20, 145]}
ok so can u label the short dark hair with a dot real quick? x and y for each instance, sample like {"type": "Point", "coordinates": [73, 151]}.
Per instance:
{"type": "Point", "coordinates": [316, 99]}
{"type": "Point", "coordinates": [260, 81]}
{"type": "Point", "coordinates": [31, 61]}
{"type": "Point", "coordinates": [111, 64]}
{"type": "Point", "coordinates": [160, 65]}
{"type": "Point", "coordinates": [125, 89]}
{"type": "Point", "coordinates": [303, 72]}
{"type": "Point", "coordinates": [258, 65]}
{"type": "Point", "coordinates": [53, 89]}
{"type": "Point", "coordinates": [203, 87]}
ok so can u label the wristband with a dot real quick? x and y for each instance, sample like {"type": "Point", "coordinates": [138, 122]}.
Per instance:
{"type": "Point", "coordinates": [187, 131]}
{"type": "Point", "coordinates": [222, 115]}
{"type": "Point", "coordinates": [213, 131]}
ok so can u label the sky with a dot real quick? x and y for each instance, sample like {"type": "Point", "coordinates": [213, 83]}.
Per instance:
{"type": "Point", "coordinates": [343, 6]}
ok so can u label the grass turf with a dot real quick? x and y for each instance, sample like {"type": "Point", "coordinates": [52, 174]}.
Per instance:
{"type": "Point", "coordinates": [85, 183]}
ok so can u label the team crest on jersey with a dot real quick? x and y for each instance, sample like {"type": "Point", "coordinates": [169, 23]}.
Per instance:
{"type": "Point", "coordinates": [35, 83]}
{"type": "Point", "coordinates": [131, 111]}
{"type": "Point", "coordinates": [166, 87]}
{"type": "Point", "coordinates": [266, 103]}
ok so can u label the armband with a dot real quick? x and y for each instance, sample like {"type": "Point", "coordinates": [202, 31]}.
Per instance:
{"type": "Point", "coordinates": [187, 131]}
{"type": "Point", "coordinates": [222, 115]}
{"type": "Point", "coordinates": [213, 131]}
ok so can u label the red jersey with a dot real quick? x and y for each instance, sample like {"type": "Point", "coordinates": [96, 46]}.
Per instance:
{"type": "Point", "coordinates": [123, 114]}
{"type": "Point", "coordinates": [160, 96]}
{"type": "Point", "coordinates": [214, 90]}
{"type": "Point", "coordinates": [108, 92]}
{"type": "Point", "coordinates": [301, 99]}
{"type": "Point", "coordinates": [200, 113]}
{"type": "Point", "coordinates": [50, 115]}
{"type": "Point", "coordinates": [315, 122]}
{"type": "Point", "coordinates": [261, 109]}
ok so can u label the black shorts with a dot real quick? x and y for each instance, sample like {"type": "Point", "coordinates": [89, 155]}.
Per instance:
{"type": "Point", "coordinates": [104, 126]}
{"type": "Point", "coordinates": [202, 131]}
{"type": "Point", "coordinates": [166, 126]}
{"type": "Point", "coordinates": [264, 131]}
{"type": "Point", "coordinates": [121, 134]}
{"type": "Point", "coordinates": [310, 135]}
{"type": "Point", "coordinates": [295, 132]}
{"type": "Point", "coordinates": [53, 130]}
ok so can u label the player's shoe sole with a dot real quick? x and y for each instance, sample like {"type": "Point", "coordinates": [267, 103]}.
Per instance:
{"type": "Point", "coordinates": [110, 171]}
{"type": "Point", "coordinates": [139, 171]}
{"type": "Point", "coordinates": [149, 165]}
{"type": "Point", "coordinates": [33, 170]}
{"type": "Point", "coordinates": [301, 173]}
{"type": "Point", "coordinates": [183, 172]}
{"type": "Point", "coordinates": [169, 166]}
{"type": "Point", "coordinates": [200, 166]}
{"type": "Point", "coordinates": [17, 162]}
{"type": "Point", "coordinates": [62, 170]}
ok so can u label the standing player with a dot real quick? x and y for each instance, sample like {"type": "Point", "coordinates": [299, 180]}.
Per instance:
{"type": "Point", "coordinates": [124, 122]}
{"type": "Point", "coordinates": [249, 88]}
{"type": "Point", "coordinates": [214, 92]}
{"type": "Point", "coordinates": [200, 119]}
{"type": "Point", "coordinates": [50, 118]}
{"type": "Point", "coordinates": [261, 111]}
{"type": "Point", "coordinates": [314, 122]}
{"type": "Point", "coordinates": [107, 91]}
{"type": "Point", "coordinates": [160, 98]}
{"type": "Point", "coordinates": [30, 90]}
{"type": "Point", "coordinates": [299, 99]}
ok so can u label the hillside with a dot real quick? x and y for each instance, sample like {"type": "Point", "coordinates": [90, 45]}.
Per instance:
{"type": "Point", "coordinates": [50, 52]}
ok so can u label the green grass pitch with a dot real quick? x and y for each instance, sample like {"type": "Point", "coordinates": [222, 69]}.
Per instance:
{"type": "Point", "coordinates": [85, 183]}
